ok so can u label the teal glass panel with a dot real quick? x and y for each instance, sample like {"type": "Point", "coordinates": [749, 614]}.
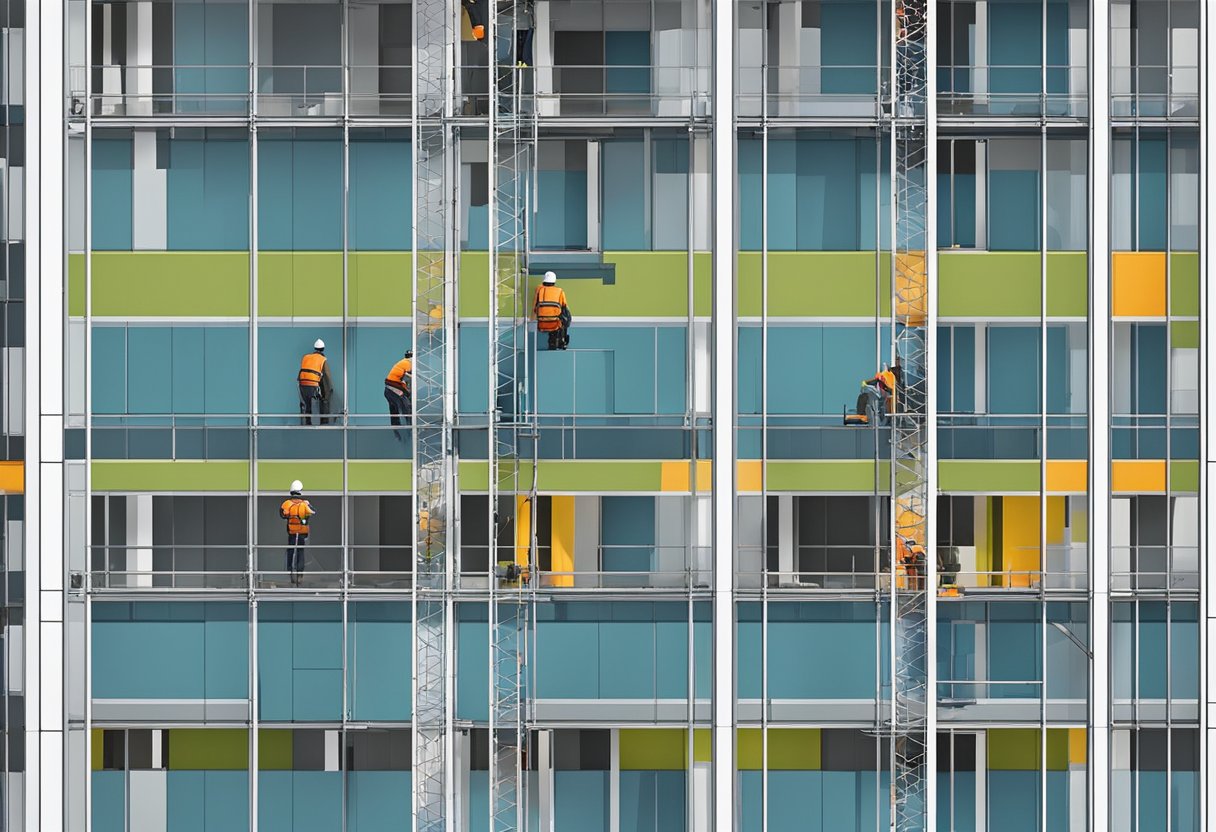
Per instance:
{"type": "Point", "coordinates": [111, 195]}
{"type": "Point", "coordinates": [207, 194]}
{"type": "Point", "coordinates": [580, 801]}
{"type": "Point", "coordinates": [108, 373]}
{"type": "Point", "coordinates": [1013, 801]}
{"type": "Point", "coordinates": [207, 801]}
{"type": "Point", "coordinates": [299, 801]}
{"type": "Point", "coordinates": [381, 193]}
{"type": "Point", "coordinates": [1013, 369]}
{"type": "Point", "coordinates": [183, 650]}
{"type": "Point", "coordinates": [623, 200]}
{"type": "Point", "coordinates": [378, 689]}
{"type": "Point", "coordinates": [1013, 209]}
{"type": "Point", "coordinates": [378, 800]}
{"type": "Point", "coordinates": [299, 661]}
{"type": "Point", "coordinates": [848, 47]}
{"type": "Point", "coordinates": [109, 801]}
{"type": "Point", "coordinates": [627, 530]}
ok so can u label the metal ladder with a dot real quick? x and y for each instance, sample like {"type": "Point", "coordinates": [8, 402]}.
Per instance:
{"type": "Point", "coordinates": [513, 430]}
{"type": "Point", "coordinates": [911, 699]}
{"type": "Point", "coordinates": [433, 264]}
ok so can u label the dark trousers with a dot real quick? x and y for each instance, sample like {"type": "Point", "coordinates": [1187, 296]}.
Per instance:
{"type": "Point", "coordinates": [295, 553]}
{"type": "Point", "coordinates": [559, 338]}
{"type": "Point", "coordinates": [309, 394]}
{"type": "Point", "coordinates": [400, 408]}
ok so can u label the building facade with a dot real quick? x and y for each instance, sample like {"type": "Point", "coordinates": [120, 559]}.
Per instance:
{"type": "Point", "coordinates": [679, 575]}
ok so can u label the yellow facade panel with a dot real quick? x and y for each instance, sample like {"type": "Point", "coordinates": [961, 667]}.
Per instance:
{"type": "Point", "coordinates": [1138, 284]}
{"type": "Point", "coordinates": [1137, 476]}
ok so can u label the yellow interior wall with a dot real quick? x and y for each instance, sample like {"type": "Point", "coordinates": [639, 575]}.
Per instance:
{"type": "Point", "coordinates": [1020, 539]}
{"type": "Point", "coordinates": [562, 541]}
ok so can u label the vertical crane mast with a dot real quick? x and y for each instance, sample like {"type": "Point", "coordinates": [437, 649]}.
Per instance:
{"type": "Point", "coordinates": [434, 266]}
{"type": "Point", "coordinates": [913, 576]}
{"type": "Point", "coordinates": [512, 431]}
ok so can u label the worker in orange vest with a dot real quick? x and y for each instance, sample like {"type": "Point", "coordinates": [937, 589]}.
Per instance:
{"type": "Point", "coordinates": [399, 391]}
{"type": "Point", "coordinates": [296, 511]}
{"type": "Point", "coordinates": [476, 10]}
{"type": "Point", "coordinates": [552, 314]}
{"type": "Point", "coordinates": [315, 383]}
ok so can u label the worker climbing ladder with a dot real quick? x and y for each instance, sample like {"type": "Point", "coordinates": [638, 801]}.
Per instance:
{"type": "Point", "coordinates": [434, 464]}
{"type": "Point", "coordinates": [913, 579]}
{"type": "Point", "coordinates": [513, 433]}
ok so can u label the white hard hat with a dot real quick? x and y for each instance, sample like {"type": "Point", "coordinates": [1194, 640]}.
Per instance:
{"type": "Point", "coordinates": [318, 344]}
{"type": "Point", "coordinates": [550, 278]}
{"type": "Point", "coordinates": [296, 486]}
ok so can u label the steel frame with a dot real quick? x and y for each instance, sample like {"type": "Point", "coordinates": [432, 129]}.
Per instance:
{"type": "Point", "coordinates": [434, 465]}
{"type": "Point", "coordinates": [511, 164]}
{"type": "Point", "coordinates": [911, 721]}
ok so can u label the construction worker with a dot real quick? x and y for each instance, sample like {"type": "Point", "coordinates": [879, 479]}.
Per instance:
{"type": "Point", "coordinates": [476, 10]}
{"type": "Point", "coordinates": [296, 511]}
{"type": "Point", "coordinates": [552, 313]}
{"type": "Point", "coordinates": [315, 383]}
{"type": "Point", "coordinates": [912, 559]}
{"type": "Point", "coordinates": [399, 391]}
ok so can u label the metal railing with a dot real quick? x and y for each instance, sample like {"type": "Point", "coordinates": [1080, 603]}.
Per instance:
{"type": "Point", "coordinates": [966, 690]}
{"type": "Point", "coordinates": [839, 567]}
{"type": "Point", "coordinates": [162, 89]}
{"type": "Point", "coordinates": [241, 567]}
{"type": "Point", "coordinates": [1154, 91]}
{"type": "Point", "coordinates": [967, 89]}
{"type": "Point", "coordinates": [1159, 568]}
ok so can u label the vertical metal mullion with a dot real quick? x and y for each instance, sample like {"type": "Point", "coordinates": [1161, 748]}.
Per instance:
{"type": "Point", "coordinates": [1043, 462]}
{"type": "Point", "coordinates": [1205, 713]}
{"type": "Point", "coordinates": [763, 566]}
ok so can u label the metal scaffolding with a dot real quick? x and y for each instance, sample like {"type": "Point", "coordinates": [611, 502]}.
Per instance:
{"type": "Point", "coordinates": [512, 152]}
{"type": "Point", "coordinates": [913, 576]}
{"type": "Point", "coordinates": [434, 267]}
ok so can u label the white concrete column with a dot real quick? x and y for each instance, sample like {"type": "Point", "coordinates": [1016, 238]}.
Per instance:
{"type": "Point", "coordinates": [723, 412]}
{"type": "Point", "coordinates": [111, 73]}
{"type": "Point", "coordinates": [44, 471]}
{"type": "Point", "coordinates": [979, 76]}
{"type": "Point", "coordinates": [542, 53]}
{"type": "Point", "coordinates": [586, 539]}
{"type": "Point", "coordinates": [149, 194]}
{"type": "Point", "coordinates": [544, 776]}
{"type": "Point", "coordinates": [364, 22]}
{"type": "Point", "coordinates": [788, 58]}
{"type": "Point", "coordinates": [593, 195]}
{"type": "Point", "coordinates": [787, 563]}
{"type": "Point", "coordinates": [139, 58]}
{"type": "Point", "coordinates": [139, 540]}
{"type": "Point", "coordinates": [1099, 413]}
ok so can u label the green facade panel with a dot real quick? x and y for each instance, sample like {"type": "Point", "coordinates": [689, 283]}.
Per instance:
{"type": "Point", "coordinates": [988, 476]}
{"type": "Point", "coordinates": [830, 476]}
{"type": "Point", "coordinates": [1006, 284]}
{"type": "Point", "coordinates": [379, 284]}
{"type": "Point", "coordinates": [185, 476]}
{"type": "Point", "coordinates": [172, 284]}
{"type": "Point", "coordinates": [826, 284]}
{"type": "Point", "coordinates": [300, 284]}
{"type": "Point", "coordinates": [1184, 283]}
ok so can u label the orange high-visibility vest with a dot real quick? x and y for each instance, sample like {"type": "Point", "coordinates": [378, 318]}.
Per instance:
{"type": "Point", "coordinates": [401, 376]}
{"type": "Point", "coordinates": [296, 512]}
{"type": "Point", "coordinates": [550, 301]}
{"type": "Point", "coordinates": [312, 368]}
